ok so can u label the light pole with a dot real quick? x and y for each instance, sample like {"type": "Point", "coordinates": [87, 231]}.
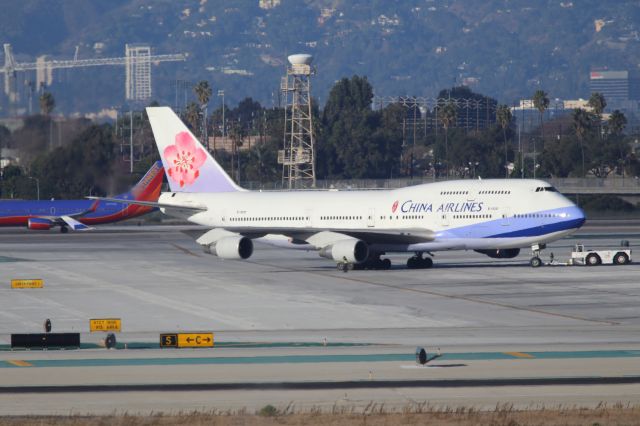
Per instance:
{"type": "Point", "coordinates": [221, 93]}
{"type": "Point", "coordinates": [473, 164]}
{"type": "Point", "coordinates": [37, 185]}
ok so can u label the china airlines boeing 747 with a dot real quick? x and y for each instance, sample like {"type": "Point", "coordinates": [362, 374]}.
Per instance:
{"type": "Point", "coordinates": [495, 217]}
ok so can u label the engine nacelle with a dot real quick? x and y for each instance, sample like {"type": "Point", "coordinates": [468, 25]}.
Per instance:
{"type": "Point", "coordinates": [353, 251]}
{"type": "Point", "coordinates": [39, 224]}
{"type": "Point", "coordinates": [501, 253]}
{"type": "Point", "coordinates": [235, 247]}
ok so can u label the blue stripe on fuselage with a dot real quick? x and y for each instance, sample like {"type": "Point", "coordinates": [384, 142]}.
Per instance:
{"type": "Point", "coordinates": [10, 208]}
{"type": "Point", "coordinates": [526, 225]}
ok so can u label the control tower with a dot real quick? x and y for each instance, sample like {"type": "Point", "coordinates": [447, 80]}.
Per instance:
{"type": "Point", "coordinates": [298, 156]}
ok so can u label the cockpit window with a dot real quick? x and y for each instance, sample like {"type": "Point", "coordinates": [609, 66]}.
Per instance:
{"type": "Point", "coordinates": [546, 188]}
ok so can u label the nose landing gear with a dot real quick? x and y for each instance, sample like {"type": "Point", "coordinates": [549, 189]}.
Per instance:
{"type": "Point", "coordinates": [535, 261]}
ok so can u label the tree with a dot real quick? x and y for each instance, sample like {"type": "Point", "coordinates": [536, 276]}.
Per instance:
{"type": "Point", "coordinates": [47, 103]}
{"type": "Point", "coordinates": [617, 122]}
{"type": "Point", "coordinates": [598, 104]}
{"type": "Point", "coordinates": [203, 93]}
{"type": "Point", "coordinates": [354, 141]}
{"type": "Point", "coordinates": [503, 115]}
{"type": "Point", "coordinates": [541, 103]}
{"type": "Point", "coordinates": [238, 133]}
{"type": "Point", "coordinates": [582, 123]}
{"type": "Point", "coordinates": [192, 115]}
{"type": "Point", "coordinates": [448, 117]}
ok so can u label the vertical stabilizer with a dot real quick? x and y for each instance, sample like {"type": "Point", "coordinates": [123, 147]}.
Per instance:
{"type": "Point", "coordinates": [188, 165]}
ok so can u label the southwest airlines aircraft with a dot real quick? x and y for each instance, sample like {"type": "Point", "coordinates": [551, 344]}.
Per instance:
{"type": "Point", "coordinates": [79, 214]}
{"type": "Point", "coordinates": [355, 228]}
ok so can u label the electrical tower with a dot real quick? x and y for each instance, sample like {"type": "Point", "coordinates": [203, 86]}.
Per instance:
{"type": "Point", "coordinates": [298, 156]}
{"type": "Point", "coordinates": [138, 61]}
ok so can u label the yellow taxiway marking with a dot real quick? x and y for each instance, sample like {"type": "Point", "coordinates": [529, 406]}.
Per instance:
{"type": "Point", "coordinates": [520, 354]}
{"type": "Point", "coordinates": [19, 363]}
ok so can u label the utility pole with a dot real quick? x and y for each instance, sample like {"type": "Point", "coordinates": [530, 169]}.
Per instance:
{"type": "Point", "coordinates": [130, 141]}
{"type": "Point", "coordinates": [224, 125]}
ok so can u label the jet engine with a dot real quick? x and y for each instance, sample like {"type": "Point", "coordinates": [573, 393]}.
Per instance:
{"type": "Point", "coordinates": [39, 224]}
{"type": "Point", "coordinates": [233, 247]}
{"type": "Point", "coordinates": [501, 253]}
{"type": "Point", "coordinates": [354, 251]}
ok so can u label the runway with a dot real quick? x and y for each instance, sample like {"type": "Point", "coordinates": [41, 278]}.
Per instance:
{"type": "Point", "coordinates": [286, 319]}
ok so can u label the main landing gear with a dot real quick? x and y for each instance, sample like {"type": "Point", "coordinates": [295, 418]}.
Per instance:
{"type": "Point", "coordinates": [419, 262]}
{"type": "Point", "coordinates": [535, 261]}
{"type": "Point", "coordinates": [64, 229]}
{"type": "Point", "coordinates": [373, 262]}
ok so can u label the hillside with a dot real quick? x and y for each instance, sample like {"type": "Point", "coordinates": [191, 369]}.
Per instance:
{"type": "Point", "coordinates": [503, 48]}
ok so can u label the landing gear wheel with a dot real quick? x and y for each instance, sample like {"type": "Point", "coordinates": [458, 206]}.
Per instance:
{"type": "Point", "coordinates": [64, 229]}
{"type": "Point", "coordinates": [412, 263]}
{"type": "Point", "coordinates": [418, 262]}
{"type": "Point", "coordinates": [386, 264]}
{"type": "Point", "coordinates": [593, 260]}
{"type": "Point", "coordinates": [535, 262]}
{"type": "Point", "coordinates": [620, 259]}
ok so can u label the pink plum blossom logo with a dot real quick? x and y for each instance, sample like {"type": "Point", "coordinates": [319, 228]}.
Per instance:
{"type": "Point", "coordinates": [184, 159]}
{"type": "Point", "coordinates": [394, 207]}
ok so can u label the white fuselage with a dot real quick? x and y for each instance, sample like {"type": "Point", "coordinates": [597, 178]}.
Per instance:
{"type": "Point", "coordinates": [463, 214]}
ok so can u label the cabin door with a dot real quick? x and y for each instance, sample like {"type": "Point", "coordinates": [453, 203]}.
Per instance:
{"type": "Point", "coordinates": [371, 218]}
{"type": "Point", "coordinates": [506, 216]}
{"type": "Point", "coordinates": [445, 219]}
{"type": "Point", "coordinates": [308, 218]}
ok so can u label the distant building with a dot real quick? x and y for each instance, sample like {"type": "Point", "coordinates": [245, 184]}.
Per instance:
{"type": "Point", "coordinates": [528, 116]}
{"type": "Point", "coordinates": [268, 4]}
{"type": "Point", "coordinates": [227, 143]}
{"type": "Point", "coordinates": [618, 87]}
{"type": "Point", "coordinates": [621, 90]}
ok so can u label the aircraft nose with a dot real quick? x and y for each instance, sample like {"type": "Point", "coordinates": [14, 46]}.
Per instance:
{"type": "Point", "coordinates": [579, 216]}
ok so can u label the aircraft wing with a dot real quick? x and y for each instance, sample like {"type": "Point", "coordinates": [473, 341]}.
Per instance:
{"type": "Point", "coordinates": [377, 236]}
{"type": "Point", "coordinates": [183, 207]}
{"type": "Point", "coordinates": [46, 222]}
{"type": "Point", "coordinates": [324, 238]}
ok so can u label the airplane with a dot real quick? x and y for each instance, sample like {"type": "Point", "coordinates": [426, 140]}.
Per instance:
{"type": "Point", "coordinates": [78, 215]}
{"type": "Point", "coordinates": [355, 228]}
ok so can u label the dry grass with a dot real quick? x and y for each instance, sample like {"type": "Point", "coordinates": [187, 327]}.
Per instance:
{"type": "Point", "coordinates": [372, 415]}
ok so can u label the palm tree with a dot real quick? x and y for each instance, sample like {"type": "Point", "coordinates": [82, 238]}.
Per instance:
{"type": "Point", "coordinates": [598, 104]}
{"type": "Point", "coordinates": [541, 103]}
{"type": "Point", "coordinates": [47, 103]}
{"type": "Point", "coordinates": [203, 93]}
{"type": "Point", "coordinates": [581, 124]}
{"type": "Point", "coordinates": [192, 115]}
{"type": "Point", "coordinates": [617, 122]}
{"type": "Point", "coordinates": [503, 115]}
{"type": "Point", "coordinates": [448, 117]}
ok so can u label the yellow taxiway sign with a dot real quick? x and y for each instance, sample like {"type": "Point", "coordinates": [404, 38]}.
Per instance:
{"type": "Point", "coordinates": [37, 283]}
{"type": "Point", "coordinates": [186, 340]}
{"type": "Point", "coordinates": [105, 324]}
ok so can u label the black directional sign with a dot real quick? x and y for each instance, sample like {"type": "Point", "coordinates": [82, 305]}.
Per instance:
{"type": "Point", "coordinates": [168, 340]}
